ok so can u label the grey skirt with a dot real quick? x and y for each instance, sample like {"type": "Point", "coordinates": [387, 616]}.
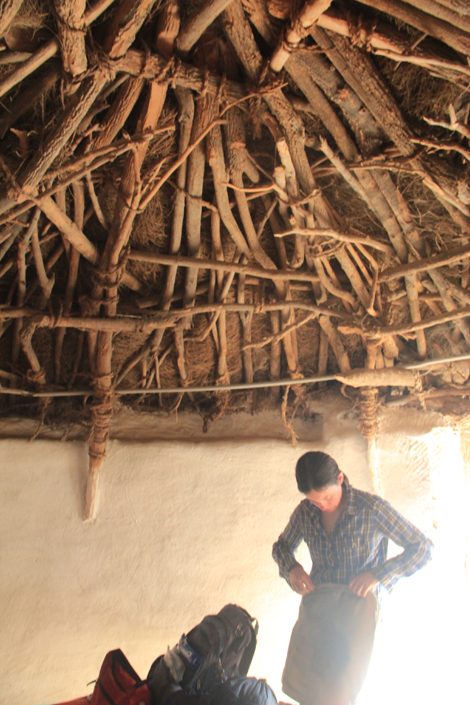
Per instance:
{"type": "Point", "coordinates": [330, 647]}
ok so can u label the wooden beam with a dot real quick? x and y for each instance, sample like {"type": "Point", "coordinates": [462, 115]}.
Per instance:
{"type": "Point", "coordinates": [179, 261]}
{"type": "Point", "coordinates": [48, 50]}
{"type": "Point", "coordinates": [162, 319]}
{"type": "Point", "coordinates": [436, 9]}
{"type": "Point", "coordinates": [8, 11]}
{"type": "Point", "coordinates": [72, 30]}
{"type": "Point", "coordinates": [378, 378]}
{"type": "Point", "coordinates": [460, 6]}
{"type": "Point", "coordinates": [127, 21]}
{"type": "Point", "coordinates": [78, 106]}
{"type": "Point", "coordinates": [406, 328]}
{"type": "Point", "coordinates": [423, 265]}
{"type": "Point", "coordinates": [336, 235]}
{"type": "Point", "coordinates": [77, 238]}
{"type": "Point", "coordinates": [447, 33]}
{"type": "Point", "coordinates": [308, 16]}
{"type": "Point", "coordinates": [198, 23]}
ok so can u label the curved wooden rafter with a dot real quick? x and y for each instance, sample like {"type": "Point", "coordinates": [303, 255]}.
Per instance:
{"type": "Point", "coordinates": [287, 226]}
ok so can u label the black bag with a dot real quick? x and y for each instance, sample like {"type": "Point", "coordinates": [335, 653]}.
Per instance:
{"type": "Point", "coordinates": [244, 691]}
{"type": "Point", "coordinates": [220, 647]}
{"type": "Point", "coordinates": [234, 691]}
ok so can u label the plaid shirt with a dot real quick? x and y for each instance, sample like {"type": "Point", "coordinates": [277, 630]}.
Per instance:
{"type": "Point", "coordinates": [357, 543]}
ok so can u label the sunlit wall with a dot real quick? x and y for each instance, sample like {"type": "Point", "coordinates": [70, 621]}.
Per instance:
{"type": "Point", "coordinates": [423, 644]}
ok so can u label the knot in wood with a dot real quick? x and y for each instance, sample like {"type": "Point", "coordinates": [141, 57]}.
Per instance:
{"type": "Point", "coordinates": [419, 391]}
{"type": "Point", "coordinates": [104, 280]}
{"type": "Point", "coordinates": [101, 411]}
{"type": "Point", "coordinates": [106, 66]}
{"type": "Point", "coordinates": [272, 86]}
{"type": "Point", "coordinates": [296, 374]}
{"type": "Point", "coordinates": [297, 26]}
{"type": "Point", "coordinates": [76, 28]}
{"type": "Point", "coordinates": [370, 325]}
{"type": "Point", "coordinates": [298, 389]}
{"type": "Point", "coordinates": [221, 97]}
{"type": "Point", "coordinates": [368, 406]}
{"type": "Point", "coordinates": [205, 84]}
{"type": "Point", "coordinates": [54, 321]}
{"type": "Point", "coordinates": [111, 300]}
{"type": "Point", "coordinates": [237, 144]}
{"type": "Point", "coordinates": [97, 455]}
{"type": "Point", "coordinates": [38, 377]}
{"type": "Point", "coordinates": [87, 304]}
{"type": "Point", "coordinates": [168, 72]}
{"type": "Point", "coordinates": [263, 74]}
{"type": "Point", "coordinates": [361, 32]}
{"type": "Point", "coordinates": [112, 277]}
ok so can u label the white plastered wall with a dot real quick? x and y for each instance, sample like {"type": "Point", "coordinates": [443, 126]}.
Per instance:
{"type": "Point", "coordinates": [183, 528]}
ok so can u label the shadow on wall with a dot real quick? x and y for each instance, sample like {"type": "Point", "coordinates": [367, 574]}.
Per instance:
{"type": "Point", "coordinates": [78, 472]}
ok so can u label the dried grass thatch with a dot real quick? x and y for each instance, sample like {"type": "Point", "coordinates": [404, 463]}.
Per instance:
{"type": "Point", "coordinates": [139, 146]}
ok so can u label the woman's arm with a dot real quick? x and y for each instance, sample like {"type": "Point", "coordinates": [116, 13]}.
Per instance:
{"type": "Point", "coordinates": [286, 545]}
{"type": "Point", "coordinates": [417, 548]}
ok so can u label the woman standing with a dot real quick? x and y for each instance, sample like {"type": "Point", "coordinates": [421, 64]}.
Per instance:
{"type": "Point", "coordinates": [347, 532]}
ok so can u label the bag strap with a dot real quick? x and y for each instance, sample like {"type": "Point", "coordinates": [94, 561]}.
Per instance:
{"type": "Point", "coordinates": [231, 613]}
{"type": "Point", "coordinates": [220, 628]}
{"type": "Point", "coordinates": [117, 656]}
{"type": "Point", "coordinates": [247, 658]}
{"type": "Point", "coordinates": [208, 626]}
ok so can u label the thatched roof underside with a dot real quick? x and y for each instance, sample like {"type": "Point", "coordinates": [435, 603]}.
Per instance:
{"type": "Point", "coordinates": [222, 193]}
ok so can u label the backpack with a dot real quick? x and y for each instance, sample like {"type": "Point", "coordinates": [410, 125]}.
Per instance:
{"type": "Point", "coordinates": [234, 691]}
{"type": "Point", "coordinates": [220, 647]}
{"type": "Point", "coordinates": [244, 691]}
{"type": "Point", "coordinates": [119, 684]}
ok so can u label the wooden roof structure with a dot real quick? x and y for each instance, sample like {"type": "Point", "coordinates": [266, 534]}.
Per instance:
{"type": "Point", "coordinates": [201, 197]}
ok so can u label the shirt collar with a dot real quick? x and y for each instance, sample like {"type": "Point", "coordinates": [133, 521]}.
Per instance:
{"type": "Point", "coordinates": [351, 496]}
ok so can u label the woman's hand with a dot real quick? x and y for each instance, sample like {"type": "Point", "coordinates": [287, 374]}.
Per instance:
{"type": "Point", "coordinates": [300, 580]}
{"type": "Point", "coordinates": [362, 584]}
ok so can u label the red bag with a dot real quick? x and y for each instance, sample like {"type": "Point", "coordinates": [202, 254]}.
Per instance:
{"type": "Point", "coordinates": [119, 684]}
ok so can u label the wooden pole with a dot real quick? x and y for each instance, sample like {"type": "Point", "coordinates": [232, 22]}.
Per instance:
{"type": "Point", "coordinates": [8, 10]}
{"type": "Point", "coordinates": [178, 260]}
{"type": "Point", "coordinates": [72, 29]}
{"type": "Point", "coordinates": [446, 32]}
{"type": "Point", "coordinates": [426, 264]}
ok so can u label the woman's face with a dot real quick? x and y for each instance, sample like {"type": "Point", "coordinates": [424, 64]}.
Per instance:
{"type": "Point", "coordinates": [328, 498]}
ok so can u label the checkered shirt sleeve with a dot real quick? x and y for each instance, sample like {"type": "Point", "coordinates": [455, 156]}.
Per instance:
{"type": "Point", "coordinates": [358, 542]}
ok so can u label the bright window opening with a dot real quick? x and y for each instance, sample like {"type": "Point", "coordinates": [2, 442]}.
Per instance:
{"type": "Point", "coordinates": [423, 645]}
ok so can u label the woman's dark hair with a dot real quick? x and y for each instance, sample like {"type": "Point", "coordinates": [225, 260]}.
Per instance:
{"type": "Point", "coordinates": [315, 470]}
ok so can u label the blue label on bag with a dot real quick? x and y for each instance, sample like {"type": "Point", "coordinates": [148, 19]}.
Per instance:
{"type": "Point", "coordinates": [187, 651]}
